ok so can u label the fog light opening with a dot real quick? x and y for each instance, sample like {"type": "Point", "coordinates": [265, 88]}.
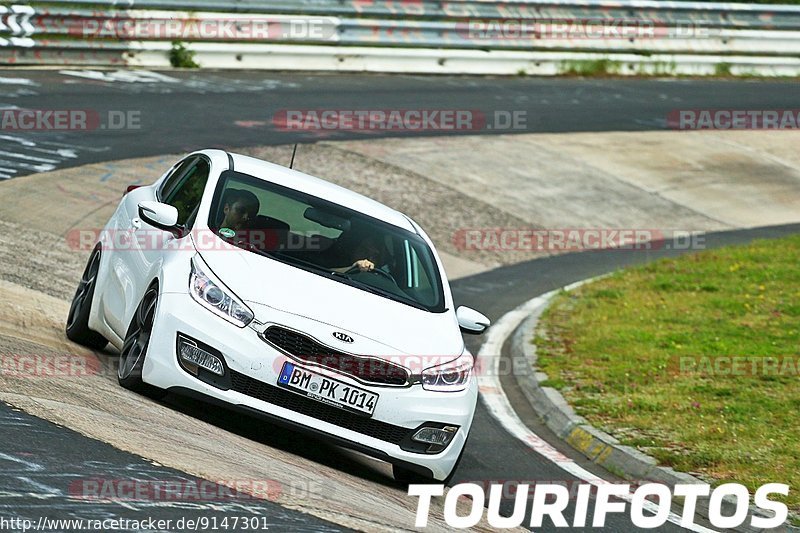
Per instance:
{"type": "Point", "coordinates": [195, 358]}
{"type": "Point", "coordinates": [436, 436]}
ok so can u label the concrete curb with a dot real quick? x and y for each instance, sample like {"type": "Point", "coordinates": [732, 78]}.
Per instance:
{"type": "Point", "coordinates": [598, 446]}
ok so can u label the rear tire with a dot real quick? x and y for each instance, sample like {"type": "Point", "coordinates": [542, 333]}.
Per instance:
{"type": "Point", "coordinates": [134, 349]}
{"type": "Point", "coordinates": [78, 319]}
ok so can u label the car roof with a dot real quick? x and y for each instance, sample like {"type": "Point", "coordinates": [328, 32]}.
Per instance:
{"type": "Point", "coordinates": [294, 179]}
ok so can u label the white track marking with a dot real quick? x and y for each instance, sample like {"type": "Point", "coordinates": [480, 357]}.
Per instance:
{"type": "Point", "coordinates": [29, 466]}
{"type": "Point", "coordinates": [28, 166]}
{"type": "Point", "coordinates": [18, 81]}
{"type": "Point", "coordinates": [27, 157]}
{"type": "Point", "coordinates": [125, 76]}
{"type": "Point", "coordinates": [146, 81]}
{"type": "Point", "coordinates": [78, 147]}
{"type": "Point", "coordinates": [500, 407]}
{"type": "Point", "coordinates": [60, 152]}
{"type": "Point", "coordinates": [47, 490]}
{"type": "Point", "coordinates": [20, 140]}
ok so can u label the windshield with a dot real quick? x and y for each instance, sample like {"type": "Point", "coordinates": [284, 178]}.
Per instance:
{"type": "Point", "coordinates": [327, 239]}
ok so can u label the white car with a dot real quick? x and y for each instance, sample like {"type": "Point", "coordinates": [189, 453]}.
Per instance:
{"type": "Point", "coordinates": [266, 290]}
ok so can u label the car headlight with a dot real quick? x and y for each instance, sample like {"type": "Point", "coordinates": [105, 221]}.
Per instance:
{"type": "Point", "coordinates": [449, 377]}
{"type": "Point", "coordinates": [210, 292]}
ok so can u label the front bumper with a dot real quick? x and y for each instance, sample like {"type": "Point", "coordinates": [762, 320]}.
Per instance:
{"type": "Point", "coordinates": [254, 366]}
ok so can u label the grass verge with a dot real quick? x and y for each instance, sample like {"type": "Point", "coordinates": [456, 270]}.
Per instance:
{"type": "Point", "coordinates": [648, 356]}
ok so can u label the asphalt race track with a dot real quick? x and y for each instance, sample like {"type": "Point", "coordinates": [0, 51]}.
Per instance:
{"type": "Point", "coordinates": [184, 111]}
{"type": "Point", "coordinates": [38, 456]}
{"type": "Point", "coordinates": [180, 112]}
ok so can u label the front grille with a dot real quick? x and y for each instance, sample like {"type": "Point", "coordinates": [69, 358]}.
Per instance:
{"type": "Point", "coordinates": [327, 413]}
{"type": "Point", "coordinates": [367, 369]}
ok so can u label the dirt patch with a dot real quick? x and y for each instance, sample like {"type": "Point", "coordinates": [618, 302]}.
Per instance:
{"type": "Point", "coordinates": [39, 260]}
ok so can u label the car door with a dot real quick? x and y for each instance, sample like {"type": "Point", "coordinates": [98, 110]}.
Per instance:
{"type": "Point", "coordinates": [137, 265]}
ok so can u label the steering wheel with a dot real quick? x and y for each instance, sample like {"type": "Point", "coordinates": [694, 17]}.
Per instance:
{"type": "Point", "coordinates": [354, 269]}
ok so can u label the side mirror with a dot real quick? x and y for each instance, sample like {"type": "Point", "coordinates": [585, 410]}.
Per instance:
{"type": "Point", "coordinates": [161, 216]}
{"type": "Point", "coordinates": [471, 321]}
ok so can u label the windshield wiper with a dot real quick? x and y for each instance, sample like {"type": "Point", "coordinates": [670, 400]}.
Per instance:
{"type": "Point", "coordinates": [380, 292]}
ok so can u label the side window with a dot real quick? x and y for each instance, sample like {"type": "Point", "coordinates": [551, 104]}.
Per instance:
{"type": "Point", "coordinates": [175, 177]}
{"type": "Point", "coordinates": [188, 192]}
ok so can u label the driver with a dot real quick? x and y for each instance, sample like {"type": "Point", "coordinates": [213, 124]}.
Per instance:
{"type": "Point", "coordinates": [366, 255]}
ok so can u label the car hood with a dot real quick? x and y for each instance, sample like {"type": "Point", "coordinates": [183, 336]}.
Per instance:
{"type": "Point", "coordinates": [279, 288]}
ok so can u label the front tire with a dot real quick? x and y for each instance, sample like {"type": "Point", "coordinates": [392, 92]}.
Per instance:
{"type": "Point", "coordinates": [78, 319]}
{"type": "Point", "coordinates": [134, 349]}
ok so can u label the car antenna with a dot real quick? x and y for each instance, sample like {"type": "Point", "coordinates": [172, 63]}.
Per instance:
{"type": "Point", "coordinates": [294, 151]}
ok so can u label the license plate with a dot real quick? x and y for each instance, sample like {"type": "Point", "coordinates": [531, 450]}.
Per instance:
{"type": "Point", "coordinates": [327, 390]}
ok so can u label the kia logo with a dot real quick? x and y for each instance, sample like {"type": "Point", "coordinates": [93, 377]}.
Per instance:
{"type": "Point", "coordinates": [344, 337]}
